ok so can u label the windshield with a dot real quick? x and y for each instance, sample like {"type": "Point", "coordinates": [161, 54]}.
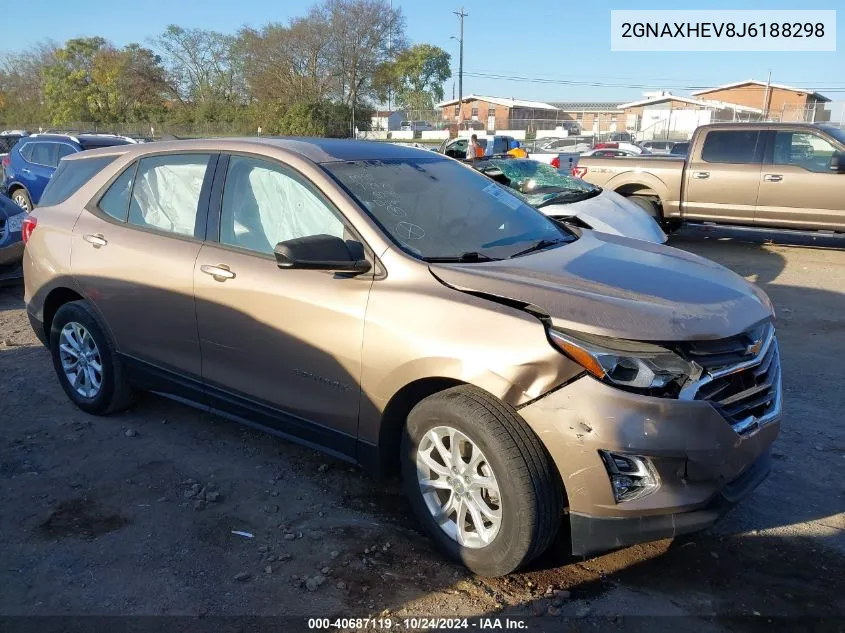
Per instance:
{"type": "Point", "coordinates": [435, 208]}
{"type": "Point", "coordinates": [538, 184]}
{"type": "Point", "coordinates": [835, 132]}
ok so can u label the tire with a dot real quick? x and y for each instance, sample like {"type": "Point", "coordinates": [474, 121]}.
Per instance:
{"type": "Point", "coordinates": [21, 198]}
{"type": "Point", "coordinates": [114, 392]}
{"type": "Point", "coordinates": [649, 205]}
{"type": "Point", "coordinates": [530, 493]}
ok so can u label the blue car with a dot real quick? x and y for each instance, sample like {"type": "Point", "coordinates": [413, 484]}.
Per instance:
{"type": "Point", "coordinates": [33, 159]}
{"type": "Point", "coordinates": [11, 244]}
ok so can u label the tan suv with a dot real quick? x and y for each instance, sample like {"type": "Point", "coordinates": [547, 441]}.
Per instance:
{"type": "Point", "coordinates": [400, 310]}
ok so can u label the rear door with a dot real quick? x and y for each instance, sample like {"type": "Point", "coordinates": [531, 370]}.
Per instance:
{"type": "Point", "coordinates": [798, 188]}
{"type": "Point", "coordinates": [133, 254]}
{"type": "Point", "coordinates": [723, 177]}
{"type": "Point", "coordinates": [40, 159]}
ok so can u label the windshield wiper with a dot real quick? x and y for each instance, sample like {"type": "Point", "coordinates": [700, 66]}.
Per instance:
{"type": "Point", "coordinates": [464, 258]}
{"type": "Point", "coordinates": [539, 246]}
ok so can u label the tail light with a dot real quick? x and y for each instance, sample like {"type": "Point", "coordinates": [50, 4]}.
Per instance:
{"type": "Point", "coordinates": [29, 224]}
{"type": "Point", "coordinates": [556, 162]}
{"type": "Point", "coordinates": [6, 161]}
{"type": "Point", "coordinates": [579, 172]}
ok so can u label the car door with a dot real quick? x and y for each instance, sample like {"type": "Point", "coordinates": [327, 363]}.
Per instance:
{"type": "Point", "coordinates": [35, 173]}
{"type": "Point", "coordinates": [283, 343]}
{"type": "Point", "coordinates": [723, 177]}
{"type": "Point", "coordinates": [798, 189]}
{"type": "Point", "coordinates": [133, 254]}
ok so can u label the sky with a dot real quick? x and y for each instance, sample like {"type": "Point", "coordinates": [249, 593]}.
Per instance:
{"type": "Point", "coordinates": [552, 40]}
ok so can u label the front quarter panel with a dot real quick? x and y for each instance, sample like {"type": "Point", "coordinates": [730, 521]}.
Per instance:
{"type": "Point", "coordinates": [419, 328]}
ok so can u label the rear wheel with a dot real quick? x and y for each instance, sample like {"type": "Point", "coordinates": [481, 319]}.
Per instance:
{"type": "Point", "coordinates": [21, 198]}
{"type": "Point", "coordinates": [480, 481]}
{"type": "Point", "coordinates": [85, 360]}
{"type": "Point", "coordinates": [649, 205]}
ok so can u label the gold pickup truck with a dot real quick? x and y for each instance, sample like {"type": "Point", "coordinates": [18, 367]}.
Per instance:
{"type": "Point", "coordinates": [777, 175]}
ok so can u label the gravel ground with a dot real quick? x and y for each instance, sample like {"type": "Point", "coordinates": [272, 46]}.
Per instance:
{"type": "Point", "coordinates": [137, 514]}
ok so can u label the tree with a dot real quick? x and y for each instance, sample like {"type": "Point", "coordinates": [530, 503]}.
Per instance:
{"type": "Point", "coordinates": [22, 84]}
{"type": "Point", "coordinates": [203, 67]}
{"type": "Point", "coordinates": [365, 33]}
{"type": "Point", "coordinates": [416, 77]}
{"type": "Point", "coordinates": [288, 63]}
{"type": "Point", "coordinates": [68, 80]}
{"type": "Point", "coordinates": [129, 85]}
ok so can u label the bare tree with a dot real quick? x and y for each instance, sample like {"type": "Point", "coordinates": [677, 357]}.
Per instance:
{"type": "Point", "coordinates": [288, 63]}
{"type": "Point", "coordinates": [203, 66]}
{"type": "Point", "coordinates": [365, 34]}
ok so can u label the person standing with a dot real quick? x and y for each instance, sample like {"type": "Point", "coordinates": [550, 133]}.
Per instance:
{"type": "Point", "coordinates": [474, 150]}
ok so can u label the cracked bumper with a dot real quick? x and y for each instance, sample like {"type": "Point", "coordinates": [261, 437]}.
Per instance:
{"type": "Point", "coordinates": [703, 466]}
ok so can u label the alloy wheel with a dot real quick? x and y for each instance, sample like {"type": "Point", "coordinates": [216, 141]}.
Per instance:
{"type": "Point", "coordinates": [81, 360]}
{"type": "Point", "coordinates": [459, 487]}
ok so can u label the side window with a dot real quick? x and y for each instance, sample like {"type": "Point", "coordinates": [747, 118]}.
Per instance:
{"type": "Point", "coordinates": [44, 154]}
{"type": "Point", "coordinates": [167, 191]}
{"type": "Point", "coordinates": [735, 147]}
{"type": "Point", "coordinates": [69, 177]}
{"type": "Point", "coordinates": [115, 202]}
{"type": "Point", "coordinates": [64, 150]}
{"type": "Point", "coordinates": [26, 151]}
{"type": "Point", "coordinates": [803, 149]}
{"type": "Point", "coordinates": [264, 205]}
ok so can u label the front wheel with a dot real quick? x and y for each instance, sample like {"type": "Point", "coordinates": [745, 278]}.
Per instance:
{"type": "Point", "coordinates": [480, 481]}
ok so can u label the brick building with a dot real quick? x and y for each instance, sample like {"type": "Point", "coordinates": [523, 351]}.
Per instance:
{"type": "Point", "coordinates": [776, 101]}
{"type": "Point", "coordinates": [498, 113]}
{"type": "Point", "coordinates": [591, 116]}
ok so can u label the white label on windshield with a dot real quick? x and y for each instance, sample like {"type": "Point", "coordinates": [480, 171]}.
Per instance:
{"type": "Point", "coordinates": [502, 196]}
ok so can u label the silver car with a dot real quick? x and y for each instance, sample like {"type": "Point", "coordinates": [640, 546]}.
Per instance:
{"type": "Point", "coordinates": [571, 199]}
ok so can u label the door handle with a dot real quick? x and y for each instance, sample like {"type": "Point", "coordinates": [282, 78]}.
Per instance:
{"type": "Point", "coordinates": [220, 272]}
{"type": "Point", "coordinates": [701, 175]}
{"type": "Point", "coordinates": [772, 177]}
{"type": "Point", "coordinates": [97, 240]}
{"type": "Point", "coordinates": [24, 170]}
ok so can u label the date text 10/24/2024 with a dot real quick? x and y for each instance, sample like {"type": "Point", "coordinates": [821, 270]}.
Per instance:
{"type": "Point", "coordinates": [418, 624]}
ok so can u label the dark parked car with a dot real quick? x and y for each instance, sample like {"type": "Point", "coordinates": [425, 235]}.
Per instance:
{"type": "Point", "coordinates": [680, 149]}
{"type": "Point", "coordinates": [32, 161]}
{"type": "Point", "coordinates": [11, 245]}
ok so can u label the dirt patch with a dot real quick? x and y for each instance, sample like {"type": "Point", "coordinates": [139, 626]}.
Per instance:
{"type": "Point", "coordinates": [80, 518]}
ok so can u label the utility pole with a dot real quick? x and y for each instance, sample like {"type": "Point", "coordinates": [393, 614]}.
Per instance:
{"type": "Point", "coordinates": [390, 55]}
{"type": "Point", "coordinates": [461, 15]}
{"type": "Point", "coordinates": [766, 98]}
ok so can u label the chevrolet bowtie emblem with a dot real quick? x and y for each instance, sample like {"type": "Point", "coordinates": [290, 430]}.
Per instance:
{"type": "Point", "coordinates": [754, 348]}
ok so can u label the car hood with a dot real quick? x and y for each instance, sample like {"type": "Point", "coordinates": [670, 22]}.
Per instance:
{"type": "Point", "coordinates": [8, 208]}
{"type": "Point", "coordinates": [611, 213]}
{"type": "Point", "coordinates": [615, 286]}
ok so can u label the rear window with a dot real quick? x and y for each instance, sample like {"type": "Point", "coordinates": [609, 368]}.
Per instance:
{"type": "Point", "coordinates": [69, 177]}
{"type": "Point", "coordinates": [735, 146]}
{"type": "Point", "coordinates": [96, 143]}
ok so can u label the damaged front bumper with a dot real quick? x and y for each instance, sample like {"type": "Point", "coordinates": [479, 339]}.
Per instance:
{"type": "Point", "coordinates": [702, 465]}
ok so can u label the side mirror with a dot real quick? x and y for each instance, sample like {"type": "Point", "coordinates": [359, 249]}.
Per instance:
{"type": "Point", "coordinates": [322, 252]}
{"type": "Point", "coordinates": [836, 164]}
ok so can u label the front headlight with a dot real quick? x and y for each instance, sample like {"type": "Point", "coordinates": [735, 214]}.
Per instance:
{"type": "Point", "coordinates": [628, 364]}
{"type": "Point", "coordinates": [15, 223]}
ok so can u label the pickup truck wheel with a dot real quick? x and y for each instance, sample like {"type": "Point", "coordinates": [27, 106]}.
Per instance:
{"type": "Point", "coordinates": [480, 481]}
{"type": "Point", "coordinates": [649, 205]}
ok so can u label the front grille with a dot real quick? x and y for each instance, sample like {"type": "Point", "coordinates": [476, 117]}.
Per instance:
{"type": "Point", "coordinates": [747, 393]}
{"type": "Point", "coordinates": [726, 351]}
{"type": "Point", "coordinates": [2, 228]}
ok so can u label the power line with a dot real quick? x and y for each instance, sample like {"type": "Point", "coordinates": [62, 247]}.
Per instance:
{"type": "Point", "coordinates": [599, 84]}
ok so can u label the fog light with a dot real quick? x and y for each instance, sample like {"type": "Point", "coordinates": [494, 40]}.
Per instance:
{"type": "Point", "coordinates": [631, 476]}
